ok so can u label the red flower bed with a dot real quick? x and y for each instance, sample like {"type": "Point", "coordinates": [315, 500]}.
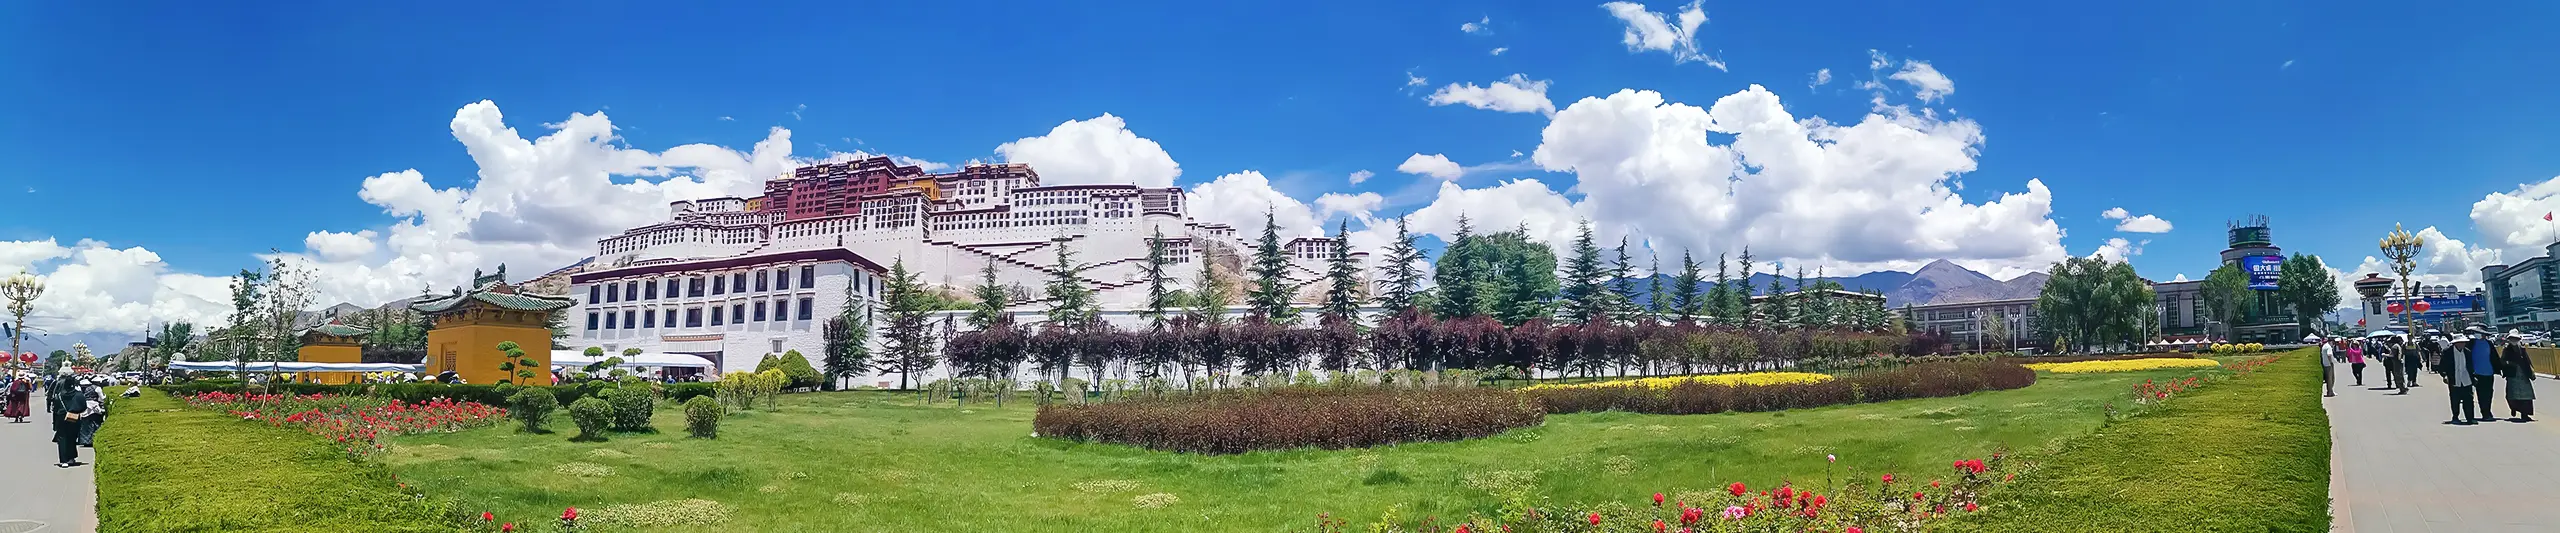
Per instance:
{"type": "Point", "coordinates": [358, 423]}
{"type": "Point", "coordinates": [1835, 505]}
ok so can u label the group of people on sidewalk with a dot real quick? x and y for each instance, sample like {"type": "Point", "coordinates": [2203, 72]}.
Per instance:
{"type": "Point", "coordinates": [75, 402]}
{"type": "Point", "coordinates": [2470, 367]}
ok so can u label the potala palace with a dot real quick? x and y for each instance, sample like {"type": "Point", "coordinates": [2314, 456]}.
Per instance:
{"type": "Point", "coordinates": [732, 279]}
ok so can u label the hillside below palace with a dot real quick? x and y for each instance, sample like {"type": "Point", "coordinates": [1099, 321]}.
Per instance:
{"type": "Point", "coordinates": [732, 279]}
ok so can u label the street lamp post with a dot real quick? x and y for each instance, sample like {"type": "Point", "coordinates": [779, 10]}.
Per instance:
{"type": "Point", "coordinates": [21, 291]}
{"type": "Point", "coordinates": [2402, 248]}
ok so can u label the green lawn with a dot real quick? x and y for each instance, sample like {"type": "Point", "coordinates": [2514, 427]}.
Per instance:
{"type": "Point", "coordinates": [165, 468]}
{"type": "Point", "coordinates": [871, 461]}
{"type": "Point", "coordinates": [2250, 454]}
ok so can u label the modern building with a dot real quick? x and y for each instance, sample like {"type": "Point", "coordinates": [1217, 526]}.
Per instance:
{"type": "Point", "coordinates": [2181, 305]}
{"type": "Point", "coordinates": [2525, 295]}
{"type": "Point", "coordinates": [2264, 318]}
{"type": "Point", "coordinates": [733, 279]}
{"type": "Point", "coordinates": [1993, 325]}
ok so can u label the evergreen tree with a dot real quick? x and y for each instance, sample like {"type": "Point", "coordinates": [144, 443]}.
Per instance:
{"type": "Point", "coordinates": [1461, 281]}
{"type": "Point", "coordinates": [1719, 305]}
{"type": "Point", "coordinates": [1775, 305]}
{"type": "Point", "coordinates": [1684, 289]}
{"type": "Point", "coordinates": [1069, 299]}
{"type": "Point", "coordinates": [909, 333]}
{"type": "Point", "coordinates": [1658, 302]}
{"type": "Point", "coordinates": [1159, 292]}
{"type": "Point", "coordinates": [992, 300]}
{"type": "Point", "coordinates": [1741, 304]}
{"type": "Point", "coordinates": [1584, 297]}
{"type": "Point", "coordinates": [1342, 300]}
{"type": "Point", "coordinates": [1622, 286]}
{"type": "Point", "coordinates": [1269, 299]}
{"type": "Point", "coordinates": [1402, 280]}
{"type": "Point", "coordinates": [1210, 294]}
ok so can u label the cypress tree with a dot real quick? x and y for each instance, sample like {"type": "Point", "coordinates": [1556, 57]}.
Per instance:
{"type": "Point", "coordinates": [1342, 300]}
{"type": "Point", "coordinates": [1462, 282]}
{"type": "Point", "coordinates": [992, 300]}
{"type": "Point", "coordinates": [1402, 280]}
{"type": "Point", "coordinates": [1586, 300]}
{"type": "Point", "coordinates": [1069, 299]}
{"type": "Point", "coordinates": [1622, 286]}
{"type": "Point", "coordinates": [1271, 292]}
{"type": "Point", "coordinates": [1159, 292]}
{"type": "Point", "coordinates": [1741, 292]}
{"type": "Point", "coordinates": [1684, 289]}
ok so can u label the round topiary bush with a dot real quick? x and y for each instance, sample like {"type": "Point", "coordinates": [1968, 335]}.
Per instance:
{"type": "Point", "coordinates": [533, 406]}
{"type": "Point", "coordinates": [593, 416]}
{"type": "Point", "coordinates": [632, 405]}
{"type": "Point", "coordinates": [702, 417]}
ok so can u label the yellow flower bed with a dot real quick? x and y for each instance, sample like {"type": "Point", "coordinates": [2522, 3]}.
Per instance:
{"type": "Point", "coordinates": [1661, 383]}
{"type": "Point", "coordinates": [2125, 365]}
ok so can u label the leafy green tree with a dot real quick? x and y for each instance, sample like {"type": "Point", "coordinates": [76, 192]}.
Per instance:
{"type": "Point", "coordinates": [1524, 282]}
{"type": "Point", "coordinates": [2304, 285]}
{"type": "Point", "coordinates": [1269, 299]}
{"type": "Point", "coordinates": [1461, 280]}
{"type": "Point", "coordinates": [1400, 281]}
{"type": "Point", "coordinates": [2091, 302]}
{"type": "Point", "coordinates": [2226, 297]}
{"type": "Point", "coordinates": [1342, 299]}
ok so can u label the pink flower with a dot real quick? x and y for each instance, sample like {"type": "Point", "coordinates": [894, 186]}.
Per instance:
{"type": "Point", "coordinates": [1735, 513]}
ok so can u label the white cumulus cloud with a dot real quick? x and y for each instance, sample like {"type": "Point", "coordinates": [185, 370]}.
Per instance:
{"type": "Point", "coordinates": [1361, 175]}
{"type": "Point", "coordinates": [1095, 150]}
{"type": "Point", "coordinates": [1515, 94]}
{"type": "Point", "coordinates": [338, 245]}
{"type": "Point", "coordinates": [1359, 206]}
{"type": "Point", "coordinates": [1654, 31]}
{"type": "Point", "coordinates": [1434, 165]}
{"type": "Point", "coordinates": [1241, 198]}
{"type": "Point", "coordinates": [91, 286]}
{"type": "Point", "coordinates": [2129, 223]}
{"type": "Point", "coordinates": [2119, 250]}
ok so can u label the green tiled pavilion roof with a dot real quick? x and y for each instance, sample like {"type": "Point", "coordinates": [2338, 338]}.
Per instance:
{"type": "Point", "coordinates": [333, 328]}
{"type": "Point", "coordinates": [509, 300]}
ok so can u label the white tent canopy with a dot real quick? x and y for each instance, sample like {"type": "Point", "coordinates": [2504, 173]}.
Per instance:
{"type": "Point", "coordinates": [578, 358]}
{"type": "Point", "coordinates": [291, 366]}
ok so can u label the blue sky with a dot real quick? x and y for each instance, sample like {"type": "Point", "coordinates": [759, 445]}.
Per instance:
{"type": "Point", "coordinates": [207, 134]}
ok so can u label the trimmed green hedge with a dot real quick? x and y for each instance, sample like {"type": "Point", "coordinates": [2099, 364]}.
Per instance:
{"type": "Point", "coordinates": [166, 468]}
{"type": "Point", "coordinates": [419, 392]}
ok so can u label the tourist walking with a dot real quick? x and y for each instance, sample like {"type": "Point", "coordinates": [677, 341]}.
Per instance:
{"type": "Point", "coordinates": [2518, 367]}
{"type": "Point", "coordinates": [2328, 366]}
{"type": "Point", "coordinates": [2405, 361]}
{"type": "Point", "coordinates": [2455, 365]}
{"type": "Point", "coordinates": [94, 389]}
{"type": "Point", "coordinates": [2380, 350]}
{"type": "Point", "coordinates": [2419, 358]}
{"type": "Point", "coordinates": [21, 386]}
{"type": "Point", "coordinates": [67, 404]}
{"type": "Point", "coordinates": [2483, 354]}
{"type": "Point", "coordinates": [2355, 359]}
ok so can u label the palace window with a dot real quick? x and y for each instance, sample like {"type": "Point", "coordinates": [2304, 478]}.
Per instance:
{"type": "Point", "coordinates": [671, 318]}
{"type": "Point", "coordinates": [649, 319]}
{"type": "Point", "coordinates": [693, 317]}
{"type": "Point", "coordinates": [738, 313]}
{"type": "Point", "coordinates": [718, 288]}
{"type": "Point", "coordinates": [612, 292]}
{"type": "Point", "coordinates": [782, 279]}
{"type": "Point", "coordinates": [759, 310]}
{"type": "Point", "coordinates": [652, 291]}
{"type": "Point", "coordinates": [717, 317]}
{"type": "Point", "coordinates": [781, 310]}
{"type": "Point", "coordinates": [760, 285]}
{"type": "Point", "coordinates": [738, 282]}
{"type": "Point", "coordinates": [627, 322]}
{"type": "Point", "coordinates": [804, 308]}
{"type": "Point", "coordinates": [631, 291]}
{"type": "Point", "coordinates": [595, 295]}
{"type": "Point", "coordinates": [674, 287]}
{"type": "Point", "coordinates": [808, 276]}
{"type": "Point", "coordinates": [695, 289]}
{"type": "Point", "coordinates": [591, 321]}
{"type": "Point", "coordinates": [608, 321]}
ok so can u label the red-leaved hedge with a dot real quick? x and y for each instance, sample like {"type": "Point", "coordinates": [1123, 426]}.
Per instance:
{"type": "Point", "coordinates": [1924, 380]}
{"type": "Point", "coordinates": [1237, 421]}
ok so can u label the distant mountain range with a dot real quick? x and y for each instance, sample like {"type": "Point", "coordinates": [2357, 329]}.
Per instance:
{"type": "Point", "coordinates": [1938, 282]}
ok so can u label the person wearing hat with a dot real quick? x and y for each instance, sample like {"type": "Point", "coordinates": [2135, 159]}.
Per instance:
{"type": "Point", "coordinates": [2518, 368]}
{"type": "Point", "coordinates": [2454, 363]}
{"type": "Point", "coordinates": [2483, 352]}
{"type": "Point", "coordinates": [2328, 366]}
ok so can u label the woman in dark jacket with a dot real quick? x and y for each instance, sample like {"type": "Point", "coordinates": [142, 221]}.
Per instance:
{"type": "Point", "coordinates": [2518, 369]}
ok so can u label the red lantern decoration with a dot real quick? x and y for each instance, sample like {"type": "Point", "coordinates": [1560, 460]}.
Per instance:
{"type": "Point", "coordinates": [28, 357]}
{"type": "Point", "coordinates": [2393, 308]}
{"type": "Point", "coordinates": [2359, 322]}
{"type": "Point", "coordinates": [2421, 306]}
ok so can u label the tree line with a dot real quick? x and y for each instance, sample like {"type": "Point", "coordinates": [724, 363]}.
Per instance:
{"type": "Point", "coordinates": [1498, 301]}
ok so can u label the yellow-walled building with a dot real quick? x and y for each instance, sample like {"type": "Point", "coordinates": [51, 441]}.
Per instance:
{"type": "Point", "coordinates": [465, 329]}
{"type": "Point", "coordinates": [333, 342]}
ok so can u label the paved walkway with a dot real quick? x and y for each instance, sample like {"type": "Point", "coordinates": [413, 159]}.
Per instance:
{"type": "Point", "coordinates": [35, 497]}
{"type": "Point", "coordinates": [2397, 468]}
